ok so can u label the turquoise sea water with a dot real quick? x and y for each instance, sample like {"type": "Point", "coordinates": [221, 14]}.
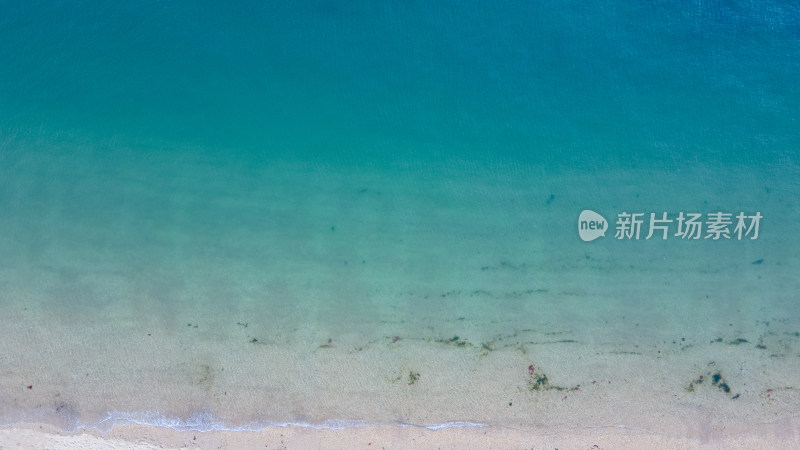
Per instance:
{"type": "Point", "coordinates": [388, 169]}
{"type": "Point", "coordinates": [552, 84]}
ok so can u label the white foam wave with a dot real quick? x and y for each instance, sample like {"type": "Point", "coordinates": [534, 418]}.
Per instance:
{"type": "Point", "coordinates": [204, 421]}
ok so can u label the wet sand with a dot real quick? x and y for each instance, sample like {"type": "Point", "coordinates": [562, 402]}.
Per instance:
{"type": "Point", "coordinates": [765, 436]}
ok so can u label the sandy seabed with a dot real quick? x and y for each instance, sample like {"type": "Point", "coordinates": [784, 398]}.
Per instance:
{"type": "Point", "coordinates": [546, 343]}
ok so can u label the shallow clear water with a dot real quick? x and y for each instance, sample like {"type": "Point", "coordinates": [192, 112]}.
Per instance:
{"type": "Point", "coordinates": [198, 202]}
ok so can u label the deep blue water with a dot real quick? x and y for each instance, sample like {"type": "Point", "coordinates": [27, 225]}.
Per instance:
{"type": "Point", "coordinates": [612, 81]}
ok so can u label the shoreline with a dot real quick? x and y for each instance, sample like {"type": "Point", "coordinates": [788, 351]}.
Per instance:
{"type": "Point", "coordinates": [752, 436]}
